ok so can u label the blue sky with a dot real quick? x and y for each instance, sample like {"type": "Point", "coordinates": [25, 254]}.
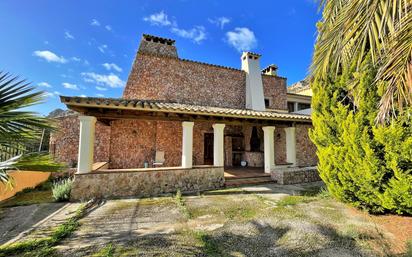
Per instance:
{"type": "Point", "coordinates": [87, 47]}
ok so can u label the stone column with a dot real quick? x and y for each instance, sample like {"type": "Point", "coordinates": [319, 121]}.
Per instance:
{"type": "Point", "coordinates": [218, 145]}
{"type": "Point", "coordinates": [269, 148]}
{"type": "Point", "coordinates": [86, 144]}
{"type": "Point", "coordinates": [187, 144]}
{"type": "Point", "coordinates": [291, 145]}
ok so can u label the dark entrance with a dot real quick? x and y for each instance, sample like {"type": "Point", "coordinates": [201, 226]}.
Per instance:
{"type": "Point", "coordinates": [208, 150]}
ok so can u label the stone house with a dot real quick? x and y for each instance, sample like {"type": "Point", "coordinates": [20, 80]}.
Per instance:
{"type": "Point", "coordinates": [181, 124]}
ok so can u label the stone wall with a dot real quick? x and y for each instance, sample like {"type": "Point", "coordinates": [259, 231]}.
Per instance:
{"type": "Point", "coordinates": [275, 89]}
{"type": "Point", "coordinates": [159, 76]}
{"type": "Point", "coordinates": [64, 143]}
{"type": "Point", "coordinates": [287, 176]}
{"type": "Point", "coordinates": [145, 182]}
{"type": "Point", "coordinates": [254, 159]}
{"type": "Point", "coordinates": [305, 149]}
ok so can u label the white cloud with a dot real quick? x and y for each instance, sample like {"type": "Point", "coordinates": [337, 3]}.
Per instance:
{"type": "Point", "coordinates": [52, 94]}
{"type": "Point", "coordinates": [70, 86]}
{"type": "Point", "coordinates": [107, 27]}
{"type": "Point", "coordinates": [86, 62]}
{"type": "Point", "coordinates": [101, 88]}
{"type": "Point", "coordinates": [102, 48]}
{"type": "Point", "coordinates": [100, 95]}
{"type": "Point", "coordinates": [159, 19]}
{"type": "Point", "coordinates": [83, 96]}
{"type": "Point", "coordinates": [197, 34]}
{"type": "Point", "coordinates": [67, 35]}
{"type": "Point", "coordinates": [110, 80]}
{"type": "Point", "coordinates": [220, 21]}
{"type": "Point", "coordinates": [242, 39]}
{"type": "Point", "coordinates": [76, 59]}
{"type": "Point", "coordinates": [46, 42]}
{"type": "Point", "coordinates": [95, 22]}
{"type": "Point", "coordinates": [113, 66]}
{"type": "Point", "coordinates": [44, 84]}
{"type": "Point", "coordinates": [49, 56]}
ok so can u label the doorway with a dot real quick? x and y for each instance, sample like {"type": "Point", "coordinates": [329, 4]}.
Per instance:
{"type": "Point", "coordinates": [208, 148]}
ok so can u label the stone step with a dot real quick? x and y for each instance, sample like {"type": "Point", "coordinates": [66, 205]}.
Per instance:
{"type": "Point", "coordinates": [248, 181]}
{"type": "Point", "coordinates": [246, 177]}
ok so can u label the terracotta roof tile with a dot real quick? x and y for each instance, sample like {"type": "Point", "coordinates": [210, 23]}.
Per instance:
{"type": "Point", "coordinates": [162, 106]}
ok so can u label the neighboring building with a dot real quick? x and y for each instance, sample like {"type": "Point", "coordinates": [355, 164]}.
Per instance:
{"type": "Point", "coordinates": [182, 113]}
{"type": "Point", "coordinates": [299, 97]}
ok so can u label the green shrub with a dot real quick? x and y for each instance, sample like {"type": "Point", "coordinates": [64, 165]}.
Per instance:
{"type": "Point", "coordinates": [363, 163]}
{"type": "Point", "coordinates": [61, 190]}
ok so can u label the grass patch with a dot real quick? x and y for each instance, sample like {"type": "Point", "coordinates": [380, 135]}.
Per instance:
{"type": "Point", "coordinates": [180, 202]}
{"type": "Point", "coordinates": [42, 193]}
{"type": "Point", "coordinates": [28, 198]}
{"type": "Point", "coordinates": [107, 251]}
{"type": "Point", "coordinates": [209, 246]}
{"type": "Point", "coordinates": [409, 248]}
{"type": "Point", "coordinates": [44, 246]}
{"type": "Point", "coordinates": [294, 200]}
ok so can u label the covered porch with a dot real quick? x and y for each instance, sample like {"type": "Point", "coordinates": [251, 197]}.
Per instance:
{"type": "Point", "coordinates": [107, 111]}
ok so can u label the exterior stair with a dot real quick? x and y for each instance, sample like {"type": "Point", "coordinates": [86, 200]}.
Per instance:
{"type": "Point", "coordinates": [234, 182]}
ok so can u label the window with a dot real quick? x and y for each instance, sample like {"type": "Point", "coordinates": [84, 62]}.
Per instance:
{"type": "Point", "coordinates": [267, 102]}
{"type": "Point", "coordinates": [291, 106]}
{"type": "Point", "coordinates": [303, 106]}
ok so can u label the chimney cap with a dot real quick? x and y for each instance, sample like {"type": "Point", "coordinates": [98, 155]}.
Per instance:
{"type": "Point", "coordinates": [270, 70]}
{"type": "Point", "coordinates": [251, 54]}
{"type": "Point", "coordinates": [156, 39]}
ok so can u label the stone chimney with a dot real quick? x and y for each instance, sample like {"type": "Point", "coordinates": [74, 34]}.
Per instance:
{"type": "Point", "coordinates": [271, 70]}
{"type": "Point", "coordinates": [254, 87]}
{"type": "Point", "coordinates": [157, 46]}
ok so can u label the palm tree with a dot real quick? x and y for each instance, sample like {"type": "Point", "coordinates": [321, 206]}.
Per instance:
{"type": "Point", "coordinates": [351, 29]}
{"type": "Point", "coordinates": [18, 127]}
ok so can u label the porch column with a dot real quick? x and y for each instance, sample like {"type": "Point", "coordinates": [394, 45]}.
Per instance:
{"type": "Point", "coordinates": [269, 148]}
{"type": "Point", "coordinates": [291, 145]}
{"type": "Point", "coordinates": [218, 145]}
{"type": "Point", "coordinates": [86, 144]}
{"type": "Point", "coordinates": [187, 144]}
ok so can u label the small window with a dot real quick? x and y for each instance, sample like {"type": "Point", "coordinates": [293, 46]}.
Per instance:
{"type": "Point", "coordinates": [267, 102]}
{"type": "Point", "coordinates": [291, 106]}
{"type": "Point", "coordinates": [303, 106]}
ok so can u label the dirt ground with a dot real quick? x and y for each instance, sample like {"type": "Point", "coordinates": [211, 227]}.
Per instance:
{"type": "Point", "coordinates": [264, 220]}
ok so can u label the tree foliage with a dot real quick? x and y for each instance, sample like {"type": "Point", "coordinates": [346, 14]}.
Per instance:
{"type": "Point", "coordinates": [18, 126]}
{"type": "Point", "coordinates": [352, 29]}
{"type": "Point", "coordinates": [365, 164]}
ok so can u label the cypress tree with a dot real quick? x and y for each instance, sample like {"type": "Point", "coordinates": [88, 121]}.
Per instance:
{"type": "Point", "coordinates": [362, 163]}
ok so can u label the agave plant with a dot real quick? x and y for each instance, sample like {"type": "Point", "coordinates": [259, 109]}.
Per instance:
{"type": "Point", "coordinates": [18, 126]}
{"type": "Point", "coordinates": [351, 29]}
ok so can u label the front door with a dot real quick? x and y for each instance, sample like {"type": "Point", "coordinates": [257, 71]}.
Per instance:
{"type": "Point", "coordinates": [208, 151]}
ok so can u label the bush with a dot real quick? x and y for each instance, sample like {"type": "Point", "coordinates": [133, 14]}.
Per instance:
{"type": "Point", "coordinates": [366, 164]}
{"type": "Point", "coordinates": [61, 190]}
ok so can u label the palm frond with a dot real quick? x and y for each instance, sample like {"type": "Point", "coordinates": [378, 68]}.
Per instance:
{"type": "Point", "coordinates": [15, 122]}
{"type": "Point", "coordinates": [20, 127]}
{"type": "Point", "coordinates": [352, 29]}
{"type": "Point", "coordinates": [396, 69]}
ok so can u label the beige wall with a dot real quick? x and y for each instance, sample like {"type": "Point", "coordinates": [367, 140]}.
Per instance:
{"type": "Point", "coordinates": [22, 180]}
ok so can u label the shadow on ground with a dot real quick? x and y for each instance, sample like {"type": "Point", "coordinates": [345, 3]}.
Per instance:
{"type": "Point", "coordinates": [267, 240]}
{"type": "Point", "coordinates": [15, 220]}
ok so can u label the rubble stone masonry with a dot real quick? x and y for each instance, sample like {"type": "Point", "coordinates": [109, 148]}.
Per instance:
{"type": "Point", "coordinates": [131, 143]}
{"type": "Point", "coordinates": [145, 182]}
{"type": "Point", "coordinates": [155, 77]}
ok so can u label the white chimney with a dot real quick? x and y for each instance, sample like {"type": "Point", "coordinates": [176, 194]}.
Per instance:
{"type": "Point", "coordinates": [254, 87]}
